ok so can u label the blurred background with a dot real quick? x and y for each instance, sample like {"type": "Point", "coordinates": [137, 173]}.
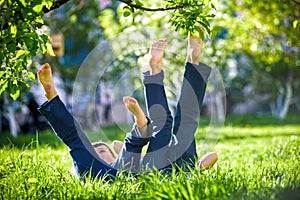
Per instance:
{"type": "Point", "coordinates": [254, 45]}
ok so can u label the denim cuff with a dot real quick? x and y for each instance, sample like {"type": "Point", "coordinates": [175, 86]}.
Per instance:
{"type": "Point", "coordinates": [203, 69]}
{"type": "Point", "coordinates": [137, 133]}
{"type": "Point", "coordinates": [134, 144]}
{"type": "Point", "coordinates": [46, 106]}
{"type": "Point", "coordinates": [156, 79]}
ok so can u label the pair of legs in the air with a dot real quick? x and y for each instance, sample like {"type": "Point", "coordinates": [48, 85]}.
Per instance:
{"type": "Point", "coordinates": [160, 123]}
{"type": "Point", "coordinates": [161, 153]}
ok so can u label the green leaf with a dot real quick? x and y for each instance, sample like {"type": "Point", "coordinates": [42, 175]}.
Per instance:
{"type": "Point", "coordinates": [20, 53]}
{"type": "Point", "coordinates": [31, 76]}
{"type": "Point", "coordinates": [47, 3]}
{"type": "Point", "coordinates": [3, 86]}
{"type": "Point", "coordinates": [205, 25]}
{"type": "Point", "coordinates": [45, 37]}
{"type": "Point", "coordinates": [37, 8]}
{"type": "Point", "coordinates": [295, 24]}
{"type": "Point", "coordinates": [2, 73]}
{"type": "Point", "coordinates": [23, 2]}
{"type": "Point", "coordinates": [15, 94]}
{"type": "Point", "coordinates": [11, 47]}
{"type": "Point", "coordinates": [39, 20]}
{"type": "Point", "coordinates": [28, 63]}
{"type": "Point", "coordinates": [126, 13]}
{"type": "Point", "coordinates": [214, 4]}
{"type": "Point", "coordinates": [28, 42]}
{"type": "Point", "coordinates": [13, 30]}
{"type": "Point", "coordinates": [50, 49]}
{"type": "Point", "coordinates": [127, 8]}
{"type": "Point", "coordinates": [198, 33]}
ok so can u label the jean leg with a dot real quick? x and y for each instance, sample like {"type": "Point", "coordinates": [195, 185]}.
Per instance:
{"type": "Point", "coordinates": [188, 111]}
{"type": "Point", "coordinates": [161, 119]}
{"type": "Point", "coordinates": [158, 111]}
{"type": "Point", "coordinates": [130, 155]}
{"type": "Point", "coordinates": [84, 156]}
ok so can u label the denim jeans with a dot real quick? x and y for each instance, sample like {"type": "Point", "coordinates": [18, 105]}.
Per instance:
{"type": "Point", "coordinates": [84, 156]}
{"type": "Point", "coordinates": [161, 151]}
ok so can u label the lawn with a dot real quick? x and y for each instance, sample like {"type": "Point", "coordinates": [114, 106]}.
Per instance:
{"type": "Point", "coordinates": [258, 159]}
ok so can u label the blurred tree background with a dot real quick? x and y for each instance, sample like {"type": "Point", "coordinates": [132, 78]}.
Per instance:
{"type": "Point", "coordinates": [23, 34]}
{"type": "Point", "coordinates": [255, 45]}
{"type": "Point", "coordinates": [264, 35]}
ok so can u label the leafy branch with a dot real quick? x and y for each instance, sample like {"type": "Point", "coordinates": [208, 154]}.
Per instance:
{"type": "Point", "coordinates": [22, 36]}
{"type": "Point", "coordinates": [136, 5]}
{"type": "Point", "coordinates": [188, 15]}
{"type": "Point", "coordinates": [139, 5]}
{"type": "Point", "coordinates": [297, 2]}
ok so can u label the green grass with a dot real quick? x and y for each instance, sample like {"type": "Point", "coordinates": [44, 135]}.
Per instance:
{"type": "Point", "coordinates": [258, 159]}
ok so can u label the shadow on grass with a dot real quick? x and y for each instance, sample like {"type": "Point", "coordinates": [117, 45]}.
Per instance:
{"type": "Point", "coordinates": [268, 193]}
{"type": "Point", "coordinates": [288, 193]}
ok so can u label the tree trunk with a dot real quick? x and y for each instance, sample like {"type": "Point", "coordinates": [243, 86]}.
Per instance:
{"type": "Point", "coordinates": [281, 108]}
{"type": "Point", "coordinates": [13, 125]}
{"type": "Point", "coordinates": [220, 106]}
{"type": "Point", "coordinates": [10, 115]}
{"type": "Point", "coordinates": [286, 103]}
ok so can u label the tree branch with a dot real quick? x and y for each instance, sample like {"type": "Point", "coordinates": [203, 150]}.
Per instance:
{"type": "Point", "coordinates": [296, 2]}
{"type": "Point", "coordinates": [132, 5]}
{"type": "Point", "coordinates": [59, 3]}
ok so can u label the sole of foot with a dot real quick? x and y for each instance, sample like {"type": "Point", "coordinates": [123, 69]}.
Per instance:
{"type": "Point", "coordinates": [45, 78]}
{"type": "Point", "coordinates": [117, 146]}
{"type": "Point", "coordinates": [194, 48]}
{"type": "Point", "coordinates": [133, 106]}
{"type": "Point", "coordinates": [156, 52]}
{"type": "Point", "coordinates": [207, 161]}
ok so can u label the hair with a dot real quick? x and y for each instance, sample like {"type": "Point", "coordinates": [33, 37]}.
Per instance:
{"type": "Point", "coordinates": [98, 144]}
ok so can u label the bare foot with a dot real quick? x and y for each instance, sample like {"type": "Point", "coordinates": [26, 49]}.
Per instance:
{"type": "Point", "coordinates": [194, 49]}
{"type": "Point", "coordinates": [156, 55]}
{"type": "Point", "coordinates": [45, 78]}
{"type": "Point", "coordinates": [207, 161]}
{"type": "Point", "coordinates": [133, 106]}
{"type": "Point", "coordinates": [117, 146]}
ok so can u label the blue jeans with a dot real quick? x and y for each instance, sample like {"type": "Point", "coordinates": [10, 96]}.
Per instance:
{"type": "Point", "coordinates": [162, 152]}
{"type": "Point", "coordinates": [159, 130]}
{"type": "Point", "coordinates": [85, 158]}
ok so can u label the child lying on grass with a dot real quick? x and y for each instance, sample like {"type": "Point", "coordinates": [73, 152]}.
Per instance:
{"type": "Point", "coordinates": [170, 145]}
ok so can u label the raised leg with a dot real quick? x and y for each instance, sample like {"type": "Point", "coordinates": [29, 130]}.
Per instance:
{"type": "Point", "coordinates": [139, 117]}
{"type": "Point", "coordinates": [190, 102]}
{"type": "Point", "coordinates": [84, 156]}
{"type": "Point", "coordinates": [157, 105]}
{"type": "Point", "coordinates": [130, 152]}
{"type": "Point", "coordinates": [158, 109]}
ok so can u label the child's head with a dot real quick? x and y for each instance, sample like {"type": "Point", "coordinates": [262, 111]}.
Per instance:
{"type": "Point", "coordinates": [104, 151]}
